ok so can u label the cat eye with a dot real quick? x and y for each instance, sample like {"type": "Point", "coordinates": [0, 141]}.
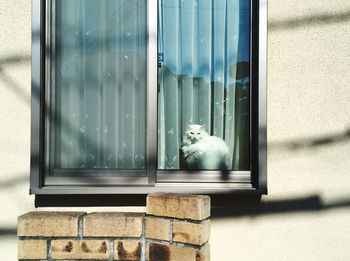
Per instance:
{"type": "Point", "coordinates": [120, 84]}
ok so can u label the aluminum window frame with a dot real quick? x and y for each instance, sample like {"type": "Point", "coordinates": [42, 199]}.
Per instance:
{"type": "Point", "coordinates": [254, 180]}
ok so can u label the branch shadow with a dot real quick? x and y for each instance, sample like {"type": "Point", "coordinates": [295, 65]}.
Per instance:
{"type": "Point", "coordinates": [18, 179]}
{"type": "Point", "coordinates": [8, 232]}
{"type": "Point", "coordinates": [15, 87]}
{"type": "Point", "coordinates": [14, 59]}
{"type": "Point", "coordinates": [311, 142]}
{"type": "Point", "coordinates": [313, 20]}
{"type": "Point", "coordinates": [239, 206]}
{"type": "Point", "coordinates": [10, 83]}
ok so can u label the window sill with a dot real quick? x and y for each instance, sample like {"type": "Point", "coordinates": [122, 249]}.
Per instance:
{"type": "Point", "coordinates": [194, 188]}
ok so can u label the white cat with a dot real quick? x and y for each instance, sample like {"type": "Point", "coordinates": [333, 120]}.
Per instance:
{"type": "Point", "coordinates": [202, 151]}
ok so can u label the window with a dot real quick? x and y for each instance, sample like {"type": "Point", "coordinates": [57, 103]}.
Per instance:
{"type": "Point", "coordinates": [136, 96]}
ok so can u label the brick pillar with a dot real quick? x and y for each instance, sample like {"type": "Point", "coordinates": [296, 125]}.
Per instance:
{"type": "Point", "coordinates": [176, 227]}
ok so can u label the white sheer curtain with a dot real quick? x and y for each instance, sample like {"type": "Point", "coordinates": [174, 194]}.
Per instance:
{"type": "Point", "coordinates": [99, 87]}
{"type": "Point", "coordinates": [203, 75]}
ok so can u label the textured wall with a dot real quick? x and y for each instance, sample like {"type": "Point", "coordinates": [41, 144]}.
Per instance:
{"type": "Point", "coordinates": [15, 38]}
{"type": "Point", "coordinates": [305, 216]}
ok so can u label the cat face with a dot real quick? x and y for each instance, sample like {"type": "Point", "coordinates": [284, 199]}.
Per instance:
{"type": "Point", "coordinates": [195, 132]}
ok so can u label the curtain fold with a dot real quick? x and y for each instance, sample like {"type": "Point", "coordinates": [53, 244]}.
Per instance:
{"type": "Point", "coordinates": [100, 99]}
{"type": "Point", "coordinates": [201, 43]}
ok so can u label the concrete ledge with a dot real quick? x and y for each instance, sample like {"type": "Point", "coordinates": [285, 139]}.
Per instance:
{"type": "Point", "coordinates": [183, 206]}
{"type": "Point", "coordinates": [49, 224]}
{"type": "Point", "coordinates": [113, 224]}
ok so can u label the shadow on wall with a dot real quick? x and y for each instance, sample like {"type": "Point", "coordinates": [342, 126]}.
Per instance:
{"type": "Point", "coordinates": [10, 83]}
{"type": "Point", "coordinates": [17, 179]}
{"type": "Point", "coordinates": [5, 232]}
{"type": "Point", "coordinates": [238, 206]}
{"type": "Point", "coordinates": [308, 143]}
{"type": "Point", "coordinates": [313, 20]}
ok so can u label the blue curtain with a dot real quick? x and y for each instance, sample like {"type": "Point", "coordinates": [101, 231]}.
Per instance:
{"type": "Point", "coordinates": [204, 55]}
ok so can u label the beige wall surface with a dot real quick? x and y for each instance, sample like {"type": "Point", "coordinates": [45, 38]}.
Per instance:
{"type": "Point", "coordinates": [306, 214]}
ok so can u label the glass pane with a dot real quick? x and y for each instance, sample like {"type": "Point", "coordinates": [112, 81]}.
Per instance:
{"type": "Point", "coordinates": [97, 84]}
{"type": "Point", "coordinates": [203, 82]}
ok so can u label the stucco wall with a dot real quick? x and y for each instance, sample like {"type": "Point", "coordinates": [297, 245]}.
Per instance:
{"type": "Point", "coordinates": [306, 214]}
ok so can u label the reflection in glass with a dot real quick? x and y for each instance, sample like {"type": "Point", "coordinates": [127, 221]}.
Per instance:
{"type": "Point", "coordinates": [203, 81]}
{"type": "Point", "coordinates": [98, 90]}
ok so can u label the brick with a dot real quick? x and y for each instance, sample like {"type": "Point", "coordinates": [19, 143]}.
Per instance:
{"type": "Point", "coordinates": [80, 249]}
{"type": "Point", "coordinates": [127, 250]}
{"type": "Point", "coordinates": [162, 252]}
{"type": "Point", "coordinates": [183, 206]}
{"type": "Point", "coordinates": [113, 224]}
{"type": "Point", "coordinates": [32, 249]}
{"type": "Point", "coordinates": [48, 224]}
{"type": "Point", "coordinates": [157, 228]}
{"type": "Point", "coordinates": [190, 233]}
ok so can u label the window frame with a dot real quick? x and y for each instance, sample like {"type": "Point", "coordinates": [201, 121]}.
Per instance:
{"type": "Point", "coordinates": [136, 185]}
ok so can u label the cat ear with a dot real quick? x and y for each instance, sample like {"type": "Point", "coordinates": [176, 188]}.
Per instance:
{"type": "Point", "coordinates": [203, 127]}
{"type": "Point", "coordinates": [187, 126]}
